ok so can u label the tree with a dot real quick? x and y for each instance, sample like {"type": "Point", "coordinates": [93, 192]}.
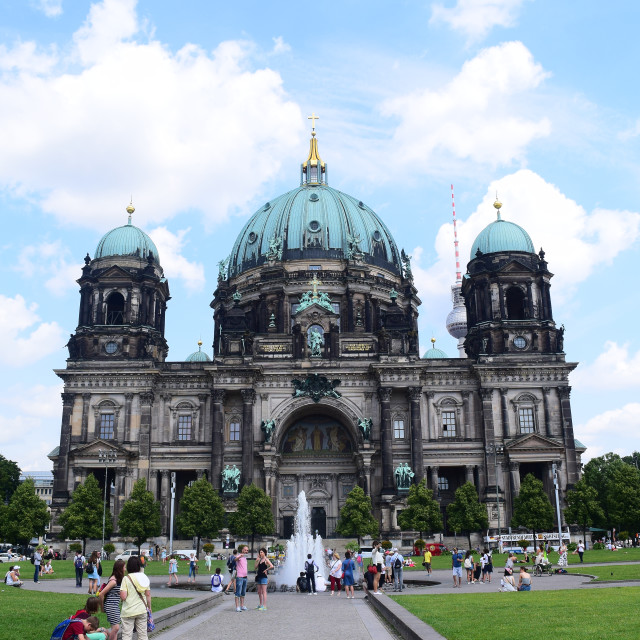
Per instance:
{"type": "Point", "coordinates": [9, 478]}
{"type": "Point", "coordinates": [583, 506]}
{"type": "Point", "coordinates": [597, 473]}
{"type": "Point", "coordinates": [531, 507]}
{"type": "Point", "coordinates": [355, 516]}
{"type": "Point", "coordinates": [254, 515]}
{"type": "Point", "coordinates": [140, 515]}
{"type": "Point", "coordinates": [27, 515]}
{"type": "Point", "coordinates": [83, 517]}
{"type": "Point", "coordinates": [201, 512]}
{"type": "Point", "coordinates": [422, 512]}
{"type": "Point", "coordinates": [633, 459]}
{"type": "Point", "coordinates": [623, 498]}
{"type": "Point", "coordinates": [465, 513]}
{"type": "Point", "coordinates": [109, 548]}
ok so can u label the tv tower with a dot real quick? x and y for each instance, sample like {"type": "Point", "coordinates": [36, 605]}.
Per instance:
{"type": "Point", "coordinates": [457, 318]}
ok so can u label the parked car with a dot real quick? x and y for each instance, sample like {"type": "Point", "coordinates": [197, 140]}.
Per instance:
{"type": "Point", "coordinates": [127, 553]}
{"type": "Point", "coordinates": [6, 557]}
{"type": "Point", "coordinates": [436, 548]}
{"type": "Point", "coordinates": [365, 552]}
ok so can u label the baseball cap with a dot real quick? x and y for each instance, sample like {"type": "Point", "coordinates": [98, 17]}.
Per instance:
{"type": "Point", "coordinates": [17, 566]}
{"type": "Point", "coordinates": [395, 550]}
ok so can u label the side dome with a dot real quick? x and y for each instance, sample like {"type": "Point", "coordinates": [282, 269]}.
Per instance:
{"type": "Point", "coordinates": [434, 353]}
{"type": "Point", "coordinates": [199, 355]}
{"type": "Point", "coordinates": [127, 240]}
{"type": "Point", "coordinates": [501, 235]}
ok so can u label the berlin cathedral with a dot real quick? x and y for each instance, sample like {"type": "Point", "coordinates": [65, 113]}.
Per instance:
{"type": "Point", "coordinates": [316, 381]}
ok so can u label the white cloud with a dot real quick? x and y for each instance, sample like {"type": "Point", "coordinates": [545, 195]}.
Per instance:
{"type": "Point", "coordinates": [614, 368]}
{"type": "Point", "coordinates": [615, 430]}
{"type": "Point", "coordinates": [190, 130]}
{"type": "Point", "coordinates": [50, 8]}
{"type": "Point", "coordinates": [632, 132]}
{"type": "Point", "coordinates": [170, 245]}
{"type": "Point", "coordinates": [280, 46]}
{"type": "Point", "coordinates": [480, 116]}
{"type": "Point", "coordinates": [25, 338]}
{"type": "Point", "coordinates": [48, 261]}
{"type": "Point", "coordinates": [476, 18]}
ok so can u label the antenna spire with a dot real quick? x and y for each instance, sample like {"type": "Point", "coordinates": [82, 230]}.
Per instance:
{"type": "Point", "coordinates": [455, 239]}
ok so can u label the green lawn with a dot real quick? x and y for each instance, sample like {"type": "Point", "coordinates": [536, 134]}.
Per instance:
{"type": "Point", "coordinates": [601, 555]}
{"type": "Point", "coordinates": [34, 614]}
{"type": "Point", "coordinates": [612, 572]}
{"type": "Point", "coordinates": [535, 615]}
{"type": "Point", "coordinates": [65, 569]}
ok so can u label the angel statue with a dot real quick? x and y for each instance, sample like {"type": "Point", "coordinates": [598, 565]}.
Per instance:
{"type": "Point", "coordinates": [406, 265]}
{"type": "Point", "coordinates": [268, 427]}
{"type": "Point", "coordinates": [365, 424]}
{"type": "Point", "coordinates": [222, 269]}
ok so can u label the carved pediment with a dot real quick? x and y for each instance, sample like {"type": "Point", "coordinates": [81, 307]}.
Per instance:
{"type": "Point", "coordinates": [115, 273]}
{"type": "Point", "coordinates": [92, 450]}
{"type": "Point", "coordinates": [533, 442]}
{"type": "Point", "coordinates": [515, 266]}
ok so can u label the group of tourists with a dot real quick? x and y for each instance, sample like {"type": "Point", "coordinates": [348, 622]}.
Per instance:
{"type": "Point", "coordinates": [92, 567]}
{"type": "Point", "coordinates": [478, 571]}
{"type": "Point", "coordinates": [386, 569]}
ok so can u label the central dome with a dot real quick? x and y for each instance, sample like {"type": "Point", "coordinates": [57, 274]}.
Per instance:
{"type": "Point", "coordinates": [314, 222]}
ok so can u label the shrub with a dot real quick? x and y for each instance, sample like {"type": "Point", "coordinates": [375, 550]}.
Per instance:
{"type": "Point", "coordinates": [353, 546]}
{"type": "Point", "coordinates": [208, 547]}
{"type": "Point", "coordinates": [597, 546]}
{"type": "Point", "coordinates": [386, 545]}
{"type": "Point", "coordinates": [420, 544]}
{"type": "Point", "coordinates": [75, 546]}
{"type": "Point", "coordinates": [524, 544]}
{"type": "Point", "coordinates": [109, 548]}
{"type": "Point", "coordinates": [445, 552]}
{"type": "Point", "coordinates": [623, 535]}
{"type": "Point", "coordinates": [572, 546]}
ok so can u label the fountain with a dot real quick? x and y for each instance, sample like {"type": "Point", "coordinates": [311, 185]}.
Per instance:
{"type": "Point", "coordinates": [301, 543]}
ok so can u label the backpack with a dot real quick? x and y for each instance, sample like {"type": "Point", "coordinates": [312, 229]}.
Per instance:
{"type": "Point", "coordinates": [309, 566]}
{"type": "Point", "coordinates": [397, 564]}
{"type": "Point", "coordinates": [33, 559]}
{"type": "Point", "coordinates": [214, 582]}
{"type": "Point", "coordinates": [231, 564]}
{"type": "Point", "coordinates": [89, 567]}
{"type": "Point", "coordinates": [58, 632]}
{"type": "Point", "coordinates": [77, 563]}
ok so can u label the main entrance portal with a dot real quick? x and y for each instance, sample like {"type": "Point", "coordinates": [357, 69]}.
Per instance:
{"type": "Point", "coordinates": [319, 521]}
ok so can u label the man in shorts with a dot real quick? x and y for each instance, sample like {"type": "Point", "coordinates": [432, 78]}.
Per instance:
{"type": "Point", "coordinates": [241, 578]}
{"type": "Point", "coordinates": [456, 564]}
{"type": "Point", "coordinates": [427, 560]}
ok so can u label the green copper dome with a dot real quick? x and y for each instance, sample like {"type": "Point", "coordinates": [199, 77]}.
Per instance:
{"type": "Point", "coordinates": [314, 222]}
{"type": "Point", "coordinates": [501, 235]}
{"type": "Point", "coordinates": [432, 353]}
{"type": "Point", "coordinates": [198, 356]}
{"type": "Point", "coordinates": [127, 240]}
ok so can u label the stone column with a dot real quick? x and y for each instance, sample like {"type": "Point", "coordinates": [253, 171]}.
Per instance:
{"type": "Point", "coordinates": [434, 481]}
{"type": "Point", "coordinates": [217, 437]}
{"type": "Point", "coordinates": [128, 399]}
{"type": "Point", "coordinates": [489, 435]}
{"type": "Point", "coordinates": [144, 446]}
{"type": "Point", "coordinates": [248, 398]}
{"type": "Point", "coordinates": [200, 433]}
{"type": "Point", "coordinates": [84, 433]}
{"type": "Point", "coordinates": [466, 415]}
{"type": "Point", "coordinates": [430, 436]}
{"type": "Point", "coordinates": [468, 470]}
{"type": "Point", "coordinates": [61, 481]}
{"type": "Point", "coordinates": [153, 483]}
{"type": "Point", "coordinates": [200, 474]}
{"type": "Point", "coordinates": [514, 471]}
{"type": "Point", "coordinates": [567, 435]}
{"type": "Point", "coordinates": [417, 462]}
{"type": "Point", "coordinates": [165, 500]}
{"type": "Point", "coordinates": [546, 430]}
{"type": "Point", "coordinates": [384, 394]}
{"type": "Point", "coordinates": [505, 413]}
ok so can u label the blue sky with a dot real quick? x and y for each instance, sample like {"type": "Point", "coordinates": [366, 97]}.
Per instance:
{"type": "Point", "coordinates": [199, 111]}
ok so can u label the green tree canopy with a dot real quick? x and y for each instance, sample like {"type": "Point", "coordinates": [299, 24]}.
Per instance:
{"type": "Point", "coordinates": [422, 512]}
{"type": "Point", "coordinates": [83, 517]}
{"type": "Point", "coordinates": [466, 513]}
{"type": "Point", "coordinates": [623, 498]}
{"type": "Point", "coordinates": [532, 508]}
{"type": "Point", "coordinates": [254, 515]}
{"type": "Point", "coordinates": [598, 473]}
{"type": "Point", "coordinates": [201, 512]}
{"type": "Point", "coordinates": [9, 478]}
{"type": "Point", "coordinates": [583, 506]}
{"type": "Point", "coordinates": [355, 516]}
{"type": "Point", "coordinates": [26, 516]}
{"type": "Point", "coordinates": [140, 515]}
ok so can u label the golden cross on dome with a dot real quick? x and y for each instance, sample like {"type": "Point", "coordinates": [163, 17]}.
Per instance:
{"type": "Point", "coordinates": [314, 284]}
{"type": "Point", "coordinates": [313, 117]}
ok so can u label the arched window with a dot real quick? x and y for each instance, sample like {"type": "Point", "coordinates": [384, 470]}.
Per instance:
{"type": "Point", "coordinates": [525, 407]}
{"type": "Point", "coordinates": [115, 308]}
{"type": "Point", "coordinates": [515, 303]}
{"type": "Point", "coordinates": [106, 419]}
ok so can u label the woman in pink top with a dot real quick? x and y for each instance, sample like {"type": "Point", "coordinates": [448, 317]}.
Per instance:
{"type": "Point", "coordinates": [241, 578]}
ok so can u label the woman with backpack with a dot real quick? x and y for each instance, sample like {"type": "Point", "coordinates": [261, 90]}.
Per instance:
{"type": "Point", "coordinates": [92, 573]}
{"type": "Point", "coordinates": [110, 598]}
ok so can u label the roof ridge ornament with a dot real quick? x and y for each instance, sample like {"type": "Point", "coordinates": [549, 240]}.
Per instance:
{"type": "Point", "coordinates": [313, 169]}
{"type": "Point", "coordinates": [130, 210]}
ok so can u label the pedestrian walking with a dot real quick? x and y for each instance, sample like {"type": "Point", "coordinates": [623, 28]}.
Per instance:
{"type": "Point", "coordinates": [231, 565]}
{"type": "Point", "coordinates": [173, 570]}
{"type": "Point", "coordinates": [92, 572]}
{"type": "Point", "coordinates": [207, 562]}
{"type": "Point", "coordinates": [37, 560]}
{"type": "Point", "coordinates": [397, 562]}
{"type": "Point", "coordinates": [378, 561]}
{"type": "Point", "coordinates": [78, 563]}
{"type": "Point", "coordinates": [456, 567]}
{"type": "Point", "coordinates": [310, 568]}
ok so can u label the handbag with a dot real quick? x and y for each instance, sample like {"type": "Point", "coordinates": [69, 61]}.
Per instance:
{"type": "Point", "coordinates": [151, 625]}
{"type": "Point", "coordinates": [372, 568]}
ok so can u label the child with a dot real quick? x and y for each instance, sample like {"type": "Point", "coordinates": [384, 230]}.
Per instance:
{"type": "Point", "coordinates": [91, 607]}
{"type": "Point", "coordinates": [216, 581]}
{"type": "Point", "coordinates": [173, 570]}
{"type": "Point", "coordinates": [83, 629]}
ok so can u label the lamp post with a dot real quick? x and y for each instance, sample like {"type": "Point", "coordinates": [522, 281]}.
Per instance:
{"type": "Point", "coordinates": [173, 500]}
{"type": "Point", "coordinates": [555, 484]}
{"type": "Point", "coordinates": [496, 449]}
{"type": "Point", "coordinates": [107, 457]}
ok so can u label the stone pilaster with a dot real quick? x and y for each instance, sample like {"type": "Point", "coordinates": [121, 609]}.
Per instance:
{"type": "Point", "coordinates": [248, 398]}
{"type": "Point", "coordinates": [217, 437]}
{"type": "Point", "coordinates": [384, 393]}
{"type": "Point", "coordinates": [414, 395]}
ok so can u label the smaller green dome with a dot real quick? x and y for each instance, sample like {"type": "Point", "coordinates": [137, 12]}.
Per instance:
{"type": "Point", "coordinates": [501, 235]}
{"type": "Point", "coordinates": [127, 240]}
{"type": "Point", "coordinates": [199, 355]}
{"type": "Point", "coordinates": [432, 353]}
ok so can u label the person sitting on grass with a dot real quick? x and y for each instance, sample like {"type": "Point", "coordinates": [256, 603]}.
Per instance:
{"type": "Point", "coordinates": [524, 584]}
{"type": "Point", "coordinates": [508, 583]}
{"type": "Point", "coordinates": [12, 577]}
{"type": "Point", "coordinates": [47, 569]}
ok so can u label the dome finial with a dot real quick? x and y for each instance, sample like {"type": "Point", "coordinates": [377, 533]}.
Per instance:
{"type": "Point", "coordinates": [313, 169]}
{"type": "Point", "coordinates": [497, 205]}
{"type": "Point", "coordinates": [199, 345]}
{"type": "Point", "coordinates": [313, 117]}
{"type": "Point", "coordinates": [130, 209]}
{"type": "Point", "coordinates": [433, 342]}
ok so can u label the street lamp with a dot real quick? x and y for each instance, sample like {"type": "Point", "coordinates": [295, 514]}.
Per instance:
{"type": "Point", "coordinates": [496, 449]}
{"type": "Point", "coordinates": [555, 484]}
{"type": "Point", "coordinates": [173, 500]}
{"type": "Point", "coordinates": [107, 457]}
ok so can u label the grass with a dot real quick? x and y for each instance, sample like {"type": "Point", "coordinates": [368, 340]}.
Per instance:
{"type": "Point", "coordinates": [601, 555]}
{"type": "Point", "coordinates": [587, 615]}
{"type": "Point", "coordinates": [612, 572]}
{"type": "Point", "coordinates": [65, 569]}
{"type": "Point", "coordinates": [35, 614]}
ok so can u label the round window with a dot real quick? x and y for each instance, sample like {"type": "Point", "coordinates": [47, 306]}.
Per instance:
{"type": "Point", "coordinates": [314, 197]}
{"type": "Point", "coordinates": [111, 347]}
{"type": "Point", "coordinates": [519, 342]}
{"type": "Point", "coordinates": [314, 225]}
{"type": "Point", "coordinates": [253, 237]}
{"type": "Point", "coordinates": [377, 236]}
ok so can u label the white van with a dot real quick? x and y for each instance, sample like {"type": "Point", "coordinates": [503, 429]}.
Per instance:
{"type": "Point", "coordinates": [127, 553]}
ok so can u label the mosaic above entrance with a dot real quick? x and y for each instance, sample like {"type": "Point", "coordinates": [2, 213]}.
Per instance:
{"type": "Point", "coordinates": [316, 435]}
